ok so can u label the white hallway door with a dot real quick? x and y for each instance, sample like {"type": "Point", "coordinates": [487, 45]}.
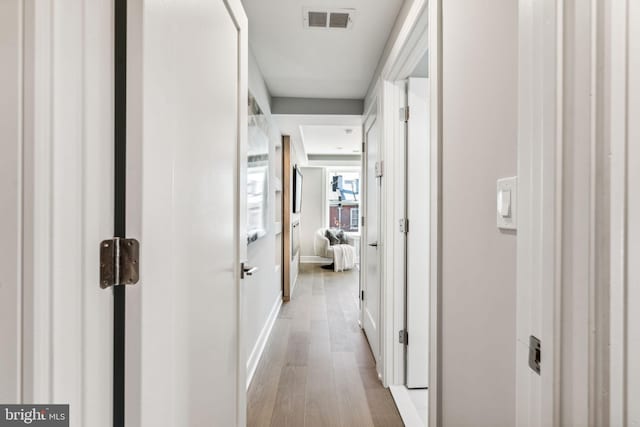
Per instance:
{"type": "Point", "coordinates": [418, 237]}
{"type": "Point", "coordinates": [185, 365]}
{"type": "Point", "coordinates": [372, 282]}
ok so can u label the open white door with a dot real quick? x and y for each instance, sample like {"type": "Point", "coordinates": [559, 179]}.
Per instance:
{"type": "Point", "coordinates": [185, 363]}
{"type": "Point", "coordinates": [418, 236]}
{"type": "Point", "coordinates": [372, 279]}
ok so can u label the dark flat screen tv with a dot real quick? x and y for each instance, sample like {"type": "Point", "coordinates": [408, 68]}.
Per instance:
{"type": "Point", "coordinates": [297, 190]}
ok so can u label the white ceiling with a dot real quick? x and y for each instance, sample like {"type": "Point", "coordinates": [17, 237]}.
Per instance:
{"type": "Point", "coordinates": [324, 139]}
{"type": "Point", "coordinates": [322, 134]}
{"type": "Point", "coordinates": [318, 63]}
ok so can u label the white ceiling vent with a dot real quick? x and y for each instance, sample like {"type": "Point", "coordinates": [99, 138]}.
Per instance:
{"type": "Point", "coordinates": [317, 19]}
{"type": "Point", "coordinates": [328, 19]}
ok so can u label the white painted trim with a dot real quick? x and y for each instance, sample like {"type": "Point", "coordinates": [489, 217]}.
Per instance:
{"type": "Point", "coordinates": [435, 260]}
{"type": "Point", "coordinates": [67, 169]}
{"type": "Point", "coordinates": [373, 116]}
{"type": "Point", "coordinates": [540, 216]}
{"type": "Point", "coordinates": [38, 121]}
{"type": "Point", "coordinates": [263, 338]}
{"type": "Point", "coordinates": [313, 259]}
{"type": "Point", "coordinates": [11, 194]}
{"type": "Point", "coordinates": [394, 98]}
{"type": "Point", "coordinates": [618, 135]}
{"type": "Point", "coordinates": [408, 411]}
{"type": "Point", "coordinates": [563, 167]}
{"type": "Point", "coordinates": [387, 95]}
{"type": "Point", "coordinates": [236, 11]}
{"type": "Point", "coordinates": [408, 49]}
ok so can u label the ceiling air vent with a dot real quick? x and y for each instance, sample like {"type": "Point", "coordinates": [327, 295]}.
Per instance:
{"type": "Point", "coordinates": [339, 20]}
{"type": "Point", "coordinates": [317, 19]}
{"type": "Point", "coordinates": [328, 19]}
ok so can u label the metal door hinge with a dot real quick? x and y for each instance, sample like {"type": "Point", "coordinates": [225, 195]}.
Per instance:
{"type": "Point", "coordinates": [404, 225]}
{"type": "Point", "coordinates": [535, 354]}
{"type": "Point", "coordinates": [380, 169]}
{"type": "Point", "coordinates": [403, 337]}
{"type": "Point", "coordinates": [362, 295]}
{"type": "Point", "coordinates": [362, 221]}
{"type": "Point", "coordinates": [119, 262]}
{"type": "Point", "coordinates": [364, 146]}
{"type": "Point", "coordinates": [404, 114]}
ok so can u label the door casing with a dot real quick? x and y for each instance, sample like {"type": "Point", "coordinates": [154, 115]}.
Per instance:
{"type": "Point", "coordinates": [366, 252]}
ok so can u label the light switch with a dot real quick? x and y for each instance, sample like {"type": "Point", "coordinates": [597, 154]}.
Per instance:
{"type": "Point", "coordinates": [506, 203]}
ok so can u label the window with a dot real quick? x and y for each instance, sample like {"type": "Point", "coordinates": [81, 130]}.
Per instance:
{"type": "Point", "coordinates": [355, 218]}
{"type": "Point", "coordinates": [343, 197]}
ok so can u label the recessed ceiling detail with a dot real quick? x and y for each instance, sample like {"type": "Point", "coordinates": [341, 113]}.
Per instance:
{"type": "Point", "coordinates": [331, 139]}
{"type": "Point", "coordinates": [328, 19]}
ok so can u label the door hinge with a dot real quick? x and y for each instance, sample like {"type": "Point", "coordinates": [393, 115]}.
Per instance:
{"type": "Point", "coordinates": [404, 114]}
{"type": "Point", "coordinates": [361, 295]}
{"type": "Point", "coordinates": [403, 337]}
{"type": "Point", "coordinates": [380, 169]}
{"type": "Point", "coordinates": [119, 262]}
{"type": "Point", "coordinates": [535, 354]}
{"type": "Point", "coordinates": [362, 221]}
{"type": "Point", "coordinates": [404, 225]}
{"type": "Point", "coordinates": [364, 146]}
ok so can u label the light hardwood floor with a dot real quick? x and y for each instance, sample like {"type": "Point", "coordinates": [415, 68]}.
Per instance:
{"type": "Point", "coordinates": [317, 368]}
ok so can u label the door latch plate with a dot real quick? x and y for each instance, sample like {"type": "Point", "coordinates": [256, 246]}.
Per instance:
{"type": "Point", "coordinates": [535, 354]}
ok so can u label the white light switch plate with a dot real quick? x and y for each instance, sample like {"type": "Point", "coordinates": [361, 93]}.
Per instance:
{"type": "Point", "coordinates": [507, 203]}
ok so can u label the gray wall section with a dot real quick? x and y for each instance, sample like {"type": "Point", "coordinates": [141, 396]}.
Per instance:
{"type": "Point", "coordinates": [478, 261]}
{"type": "Point", "coordinates": [347, 107]}
{"type": "Point", "coordinates": [312, 215]}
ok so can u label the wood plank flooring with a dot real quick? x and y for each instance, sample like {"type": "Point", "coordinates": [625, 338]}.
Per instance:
{"type": "Point", "coordinates": [317, 368]}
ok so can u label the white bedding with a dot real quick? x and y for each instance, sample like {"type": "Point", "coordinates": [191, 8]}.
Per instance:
{"type": "Point", "coordinates": [343, 257]}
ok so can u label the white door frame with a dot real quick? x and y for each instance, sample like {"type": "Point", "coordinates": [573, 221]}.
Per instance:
{"type": "Point", "coordinates": [565, 117]}
{"type": "Point", "coordinates": [421, 25]}
{"type": "Point", "coordinates": [11, 191]}
{"type": "Point", "coordinates": [67, 132]}
{"type": "Point", "coordinates": [409, 49]}
{"type": "Point", "coordinates": [371, 116]}
{"type": "Point", "coordinates": [624, 130]}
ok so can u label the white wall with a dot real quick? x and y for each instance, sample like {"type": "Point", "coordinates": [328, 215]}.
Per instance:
{"type": "Point", "coordinates": [10, 199]}
{"type": "Point", "coordinates": [313, 205]}
{"type": "Point", "coordinates": [262, 291]}
{"type": "Point", "coordinates": [478, 261]}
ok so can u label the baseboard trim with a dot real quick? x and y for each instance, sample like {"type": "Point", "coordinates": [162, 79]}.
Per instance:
{"type": "Point", "coordinates": [407, 409]}
{"type": "Point", "coordinates": [263, 338]}
{"type": "Point", "coordinates": [315, 260]}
